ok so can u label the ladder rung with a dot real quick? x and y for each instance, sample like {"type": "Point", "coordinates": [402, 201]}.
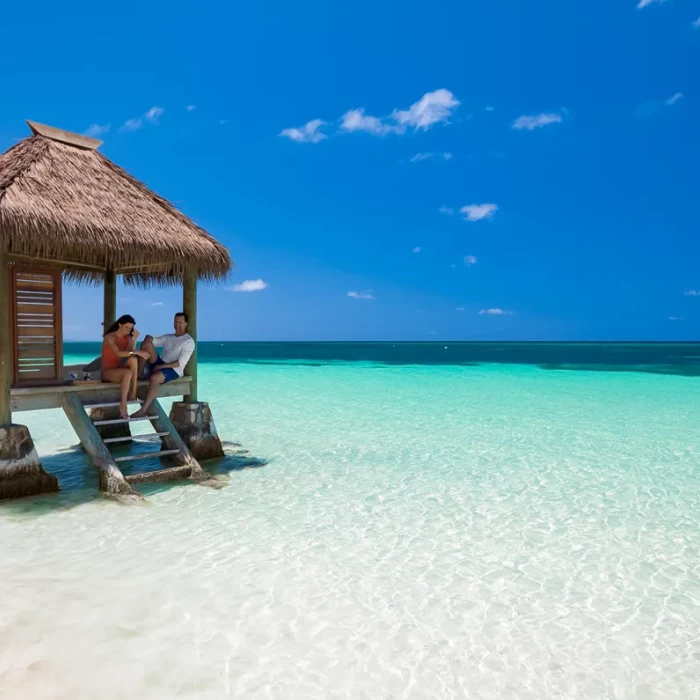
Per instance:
{"type": "Point", "coordinates": [159, 475]}
{"type": "Point", "coordinates": [126, 438]}
{"type": "Point", "coordinates": [123, 420]}
{"type": "Point", "coordinates": [111, 404]}
{"type": "Point", "coordinates": [145, 455]}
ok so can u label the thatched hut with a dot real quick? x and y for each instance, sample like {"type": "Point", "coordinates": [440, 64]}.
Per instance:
{"type": "Point", "coordinates": [68, 212]}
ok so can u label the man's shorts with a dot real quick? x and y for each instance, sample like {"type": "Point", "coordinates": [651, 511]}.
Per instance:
{"type": "Point", "coordinates": [169, 373]}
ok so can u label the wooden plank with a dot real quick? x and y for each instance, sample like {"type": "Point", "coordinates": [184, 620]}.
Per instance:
{"type": "Point", "coordinates": [111, 479]}
{"type": "Point", "coordinates": [35, 332]}
{"type": "Point", "coordinates": [36, 364]}
{"type": "Point", "coordinates": [29, 352]}
{"type": "Point", "coordinates": [35, 286]}
{"type": "Point", "coordinates": [51, 132]}
{"type": "Point", "coordinates": [116, 421]}
{"type": "Point", "coordinates": [47, 373]}
{"type": "Point", "coordinates": [145, 455]}
{"type": "Point", "coordinates": [131, 438]}
{"type": "Point", "coordinates": [31, 307]}
{"type": "Point", "coordinates": [109, 404]}
{"type": "Point", "coordinates": [34, 323]}
{"type": "Point", "coordinates": [32, 398]}
{"type": "Point", "coordinates": [6, 344]}
{"type": "Point", "coordinates": [170, 474]}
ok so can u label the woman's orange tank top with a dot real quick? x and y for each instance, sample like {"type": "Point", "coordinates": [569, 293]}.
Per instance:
{"type": "Point", "coordinates": [110, 360]}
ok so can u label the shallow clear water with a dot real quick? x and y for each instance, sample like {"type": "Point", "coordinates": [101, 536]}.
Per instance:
{"type": "Point", "coordinates": [395, 531]}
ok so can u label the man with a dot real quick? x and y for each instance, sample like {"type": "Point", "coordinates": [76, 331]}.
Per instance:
{"type": "Point", "coordinates": [177, 348]}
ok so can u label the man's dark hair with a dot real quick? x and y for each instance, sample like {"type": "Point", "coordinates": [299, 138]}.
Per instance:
{"type": "Point", "coordinates": [184, 315]}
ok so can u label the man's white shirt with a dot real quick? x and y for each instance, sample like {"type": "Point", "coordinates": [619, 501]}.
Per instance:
{"type": "Point", "coordinates": [175, 348]}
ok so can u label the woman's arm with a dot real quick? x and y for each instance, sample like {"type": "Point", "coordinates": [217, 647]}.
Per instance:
{"type": "Point", "coordinates": [109, 339]}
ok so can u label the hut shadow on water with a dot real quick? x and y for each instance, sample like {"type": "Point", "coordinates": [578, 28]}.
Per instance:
{"type": "Point", "coordinates": [78, 481]}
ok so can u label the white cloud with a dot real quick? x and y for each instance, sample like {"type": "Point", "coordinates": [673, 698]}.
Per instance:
{"type": "Point", "coordinates": [696, 23]}
{"type": "Point", "coordinates": [673, 99]}
{"type": "Point", "coordinates": [432, 108]}
{"type": "Point", "coordinates": [424, 156]}
{"type": "Point", "coordinates": [309, 133]}
{"type": "Point", "coordinates": [477, 212]}
{"type": "Point", "coordinates": [489, 108]}
{"type": "Point", "coordinates": [361, 295]}
{"type": "Point", "coordinates": [535, 121]}
{"type": "Point", "coordinates": [417, 249]}
{"type": "Point", "coordinates": [95, 130]}
{"type": "Point", "coordinates": [495, 312]}
{"type": "Point", "coordinates": [446, 210]}
{"type": "Point", "coordinates": [676, 318]}
{"type": "Point", "coordinates": [357, 120]}
{"type": "Point", "coordinates": [191, 108]}
{"type": "Point", "coordinates": [470, 260]}
{"type": "Point", "coordinates": [248, 286]}
{"type": "Point", "coordinates": [157, 303]}
{"type": "Point", "coordinates": [692, 292]}
{"type": "Point", "coordinates": [645, 3]}
{"type": "Point", "coordinates": [459, 308]}
{"type": "Point", "coordinates": [152, 116]}
{"type": "Point", "coordinates": [132, 124]}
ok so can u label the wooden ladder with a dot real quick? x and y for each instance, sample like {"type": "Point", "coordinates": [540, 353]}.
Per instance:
{"type": "Point", "coordinates": [112, 481]}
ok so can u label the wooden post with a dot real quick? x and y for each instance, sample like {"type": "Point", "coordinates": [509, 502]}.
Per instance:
{"type": "Point", "coordinates": [110, 299]}
{"type": "Point", "coordinates": [5, 348]}
{"type": "Point", "coordinates": [189, 306]}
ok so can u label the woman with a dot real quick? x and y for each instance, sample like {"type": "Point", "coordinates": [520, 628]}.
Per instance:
{"type": "Point", "coordinates": [119, 363]}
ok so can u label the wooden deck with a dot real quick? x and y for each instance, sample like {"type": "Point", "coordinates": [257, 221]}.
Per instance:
{"type": "Point", "coordinates": [37, 397]}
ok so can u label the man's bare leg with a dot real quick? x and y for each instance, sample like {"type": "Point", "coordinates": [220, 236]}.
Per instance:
{"type": "Point", "coordinates": [157, 378]}
{"type": "Point", "coordinates": [148, 346]}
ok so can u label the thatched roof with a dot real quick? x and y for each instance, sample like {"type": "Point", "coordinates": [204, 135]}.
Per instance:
{"type": "Point", "coordinates": [62, 201]}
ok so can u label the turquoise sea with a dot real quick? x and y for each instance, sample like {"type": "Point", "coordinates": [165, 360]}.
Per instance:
{"type": "Point", "coordinates": [400, 520]}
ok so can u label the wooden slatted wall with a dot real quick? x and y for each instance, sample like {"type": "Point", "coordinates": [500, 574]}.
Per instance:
{"type": "Point", "coordinates": [37, 330]}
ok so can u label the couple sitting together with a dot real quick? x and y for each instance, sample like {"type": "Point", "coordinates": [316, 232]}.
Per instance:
{"type": "Point", "coordinates": [122, 363]}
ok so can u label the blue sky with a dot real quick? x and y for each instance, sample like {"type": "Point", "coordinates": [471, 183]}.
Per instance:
{"type": "Point", "coordinates": [571, 129]}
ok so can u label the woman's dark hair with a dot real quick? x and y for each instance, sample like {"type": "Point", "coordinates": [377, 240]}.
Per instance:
{"type": "Point", "coordinates": [120, 322]}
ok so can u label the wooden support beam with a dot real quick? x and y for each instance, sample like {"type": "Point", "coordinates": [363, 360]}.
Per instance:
{"type": "Point", "coordinates": [189, 306]}
{"type": "Point", "coordinates": [5, 342]}
{"type": "Point", "coordinates": [112, 480]}
{"type": "Point", "coordinates": [63, 263]}
{"type": "Point", "coordinates": [110, 299]}
{"type": "Point", "coordinates": [173, 441]}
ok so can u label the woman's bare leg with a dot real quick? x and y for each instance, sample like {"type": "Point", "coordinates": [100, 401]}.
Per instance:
{"type": "Point", "coordinates": [121, 376]}
{"type": "Point", "coordinates": [133, 366]}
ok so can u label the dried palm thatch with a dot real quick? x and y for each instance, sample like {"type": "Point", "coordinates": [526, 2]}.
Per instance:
{"type": "Point", "coordinates": [62, 201]}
